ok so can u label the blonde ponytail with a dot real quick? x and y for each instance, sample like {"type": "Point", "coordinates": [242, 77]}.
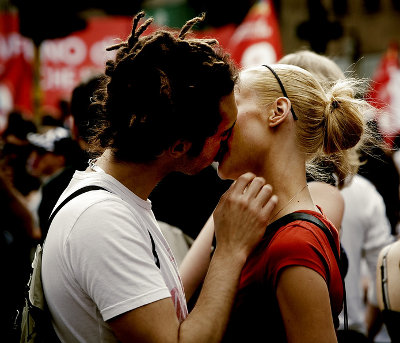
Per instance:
{"type": "Point", "coordinates": [344, 118]}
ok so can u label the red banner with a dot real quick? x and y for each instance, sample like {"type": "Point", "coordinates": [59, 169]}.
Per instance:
{"type": "Point", "coordinates": [255, 41]}
{"type": "Point", "coordinates": [385, 93]}
{"type": "Point", "coordinates": [68, 61]}
{"type": "Point", "coordinates": [16, 72]}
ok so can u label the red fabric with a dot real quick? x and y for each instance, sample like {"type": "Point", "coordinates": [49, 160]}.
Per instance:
{"type": "Point", "coordinates": [299, 243]}
{"type": "Point", "coordinates": [256, 316]}
{"type": "Point", "coordinates": [257, 39]}
{"type": "Point", "coordinates": [16, 68]}
{"type": "Point", "coordinates": [66, 62]}
{"type": "Point", "coordinates": [385, 95]}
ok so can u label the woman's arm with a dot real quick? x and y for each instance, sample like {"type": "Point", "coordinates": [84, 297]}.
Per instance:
{"type": "Point", "coordinates": [305, 306]}
{"type": "Point", "coordinates": [194, 266]}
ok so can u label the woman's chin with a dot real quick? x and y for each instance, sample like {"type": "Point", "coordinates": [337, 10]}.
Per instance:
{"type": "Point", "coordinates": [223, 172]}
{"type": "Point", "coordinates": [220, 171]}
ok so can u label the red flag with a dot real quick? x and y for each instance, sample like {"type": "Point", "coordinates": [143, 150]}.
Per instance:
{"type": "Point", "coordinates": [222, 34]}
{"type": "Point", "coordinates": [385, 93]}
{"type": "Point", "coordinates": [68, 61]}
{"type": "Point", "coordinates": [257, 39]}
{"type": "Point", "coordinates": [16, 70]}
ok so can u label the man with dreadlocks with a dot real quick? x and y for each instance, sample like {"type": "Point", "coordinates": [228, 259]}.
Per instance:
{"type": "Point", "coordinates": [108, 274]}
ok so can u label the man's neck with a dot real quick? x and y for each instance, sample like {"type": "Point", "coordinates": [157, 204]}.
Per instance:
{"type": "Point", "coordinates": [140, 178]}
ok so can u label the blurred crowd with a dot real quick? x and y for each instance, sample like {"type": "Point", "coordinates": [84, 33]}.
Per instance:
{"type": "Point", "coordinates": [37, 161]}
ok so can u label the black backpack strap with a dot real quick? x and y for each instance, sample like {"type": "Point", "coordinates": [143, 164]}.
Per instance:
{"type": "Point", "coordinates": [93, 188]}
{"type": "Point", "coordinates": [153, 248]}
{"type": "Point", "coordinates": [272, 228]}
{"type": "Point", "coordinates": [70, 197]}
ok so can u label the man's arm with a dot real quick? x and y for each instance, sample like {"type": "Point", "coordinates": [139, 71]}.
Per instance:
{"type": "Point", "coordinates": [240, 221]}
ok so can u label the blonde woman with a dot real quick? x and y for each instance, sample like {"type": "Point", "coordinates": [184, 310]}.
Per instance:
{"type": "Point", "coordinates": [290, 288]}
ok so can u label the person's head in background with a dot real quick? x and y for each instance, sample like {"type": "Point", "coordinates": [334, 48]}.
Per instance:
{"type": "Point", "coordinates": [53, 150]}
{"type": "Point", "coordinates": [84, 120]}
{"type": "Point", "coordinates": [15, 150]}
{"type": "Point", "coordinates": [14, 143]}
{"type": "Point", "coordinates": [324, 69]}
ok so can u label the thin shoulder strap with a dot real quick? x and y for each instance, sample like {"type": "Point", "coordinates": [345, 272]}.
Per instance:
{"type": "Point", "coordinates": [70, 197]}
{"type": "Point", "coordinates": [384, 279]}
{"type": "Point", "coordinates": [317, 222]}
{"type": "Point", "coordinates": [93, 188]}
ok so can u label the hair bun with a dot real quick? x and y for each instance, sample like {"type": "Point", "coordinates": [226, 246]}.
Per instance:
{"type": "Point", "coordinates": [335, 104]}
{"type": "Point", "coordinates": [344, 120]}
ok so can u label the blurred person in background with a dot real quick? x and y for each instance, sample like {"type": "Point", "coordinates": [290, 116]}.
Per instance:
{"type": "Point", "coordinates": [15, 150]}
{"type": "Point", "coordinates": [83, 120]}
{"type": "Point", "coordinates": [17, 236]}
{"type": "Point", "coordinates": [380, 168]}
{"type": "Point", "coordinates": [46, 159]}
{"type": "Point", "coordinates": [54, 159]}
{"type": "Point", "coordinates": [19, 231]}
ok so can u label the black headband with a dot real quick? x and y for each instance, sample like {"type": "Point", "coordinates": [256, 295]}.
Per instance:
{"type": "Point", "coordinates": [282, 88]}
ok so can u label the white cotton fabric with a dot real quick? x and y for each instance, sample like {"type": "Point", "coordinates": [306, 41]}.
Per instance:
{"type": "Point", "coordinates": [365, 231]}
{"type": "Point", "coordinates": [98, 261]}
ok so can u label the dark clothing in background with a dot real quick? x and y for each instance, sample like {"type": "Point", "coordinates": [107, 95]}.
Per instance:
{"type": "Point", "coordinates": [187, 201]}
{"type": "Point", "coordinates": [15, 247]}
{"type": "Point", "coordinates": [52, 190]}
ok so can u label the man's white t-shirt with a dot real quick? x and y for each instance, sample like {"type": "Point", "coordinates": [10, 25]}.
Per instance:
{"type": "Point", "coordinates": [98, 261]}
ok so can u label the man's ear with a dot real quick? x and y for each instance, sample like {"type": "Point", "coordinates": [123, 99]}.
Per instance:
{"type": "Point", "coordinates": [279, 111]}
{"type": "Point", "coordinates": [179, 148]}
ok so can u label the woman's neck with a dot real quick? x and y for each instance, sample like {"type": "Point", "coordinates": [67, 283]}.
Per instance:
{"type": "Point", "coordinates": [288, 179]}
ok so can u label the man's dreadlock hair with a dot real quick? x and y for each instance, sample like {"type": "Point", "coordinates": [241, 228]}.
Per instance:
{"type": "Point", "coordinates": [161, 88]}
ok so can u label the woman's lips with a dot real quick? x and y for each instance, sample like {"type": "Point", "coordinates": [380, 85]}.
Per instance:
{"type": "Point", "coordinates": [224, 147]}
{"type": "Point", "coordinates": [222, 151]}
